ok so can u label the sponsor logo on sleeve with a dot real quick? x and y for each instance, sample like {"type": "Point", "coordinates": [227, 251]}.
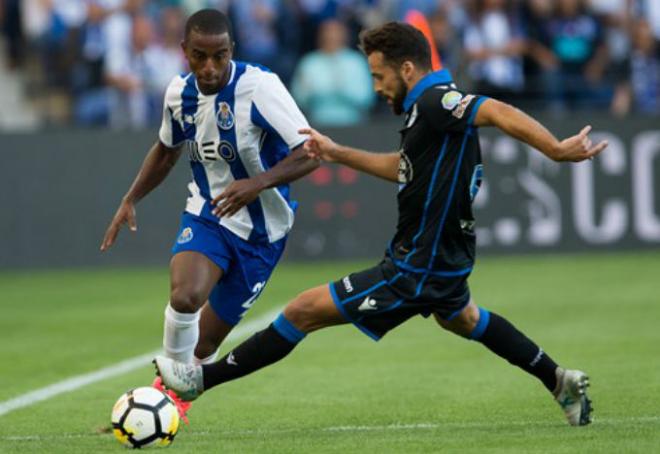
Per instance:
{"type": "Point", "coordinates": [451, 99]}
{"type": "Point", "coordinates": [459, 111]}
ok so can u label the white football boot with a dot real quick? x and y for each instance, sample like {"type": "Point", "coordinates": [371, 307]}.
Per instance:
{"type": "Point", "coordinates": [571, 395]}
{"type": "Point", "coordinates": [184, 379]}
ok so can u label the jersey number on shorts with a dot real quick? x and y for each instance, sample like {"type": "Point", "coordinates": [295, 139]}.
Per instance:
{"type": "Point", "coordinates": [256, 291]}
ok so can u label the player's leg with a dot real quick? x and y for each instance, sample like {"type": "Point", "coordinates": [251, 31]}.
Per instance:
{"type": "Point", "coordinates": [361, 295]}
{"type": "Point", "coordinates": [212, 332]}
{"type": "Point", "coordinates": [201, 256]}
{"type": "Point", "coordinates": [244, 279]}
{"type": "Point", "coordinates": [192, 276]}
{"type": "Point", "coordinates": [311, 310]}
{"type": "Point", "coordinates": [503, 339]}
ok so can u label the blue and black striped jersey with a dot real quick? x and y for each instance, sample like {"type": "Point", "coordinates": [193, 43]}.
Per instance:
{"type": "Point", "coordinates": [440, 172]}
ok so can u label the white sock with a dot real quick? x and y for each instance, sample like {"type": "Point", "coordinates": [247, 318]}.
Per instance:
{"type": "Point", "coordinates": [180, 334]}
{"type": "Point", "coordinates": [208, 360]}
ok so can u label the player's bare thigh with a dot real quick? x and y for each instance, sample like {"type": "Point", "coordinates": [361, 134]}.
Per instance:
{"type": "Point", "coordinates": [313, 309]}
{"type": "Point", "coordinates": [192, 277]}
{"type": "Point", "coordinates": [464, 323]}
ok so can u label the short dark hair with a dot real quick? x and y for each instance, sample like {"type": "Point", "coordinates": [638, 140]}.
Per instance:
{"type": "Point", "coordinates": [398, 42]}
{"type": "Point", "coordinates": [209, 21]}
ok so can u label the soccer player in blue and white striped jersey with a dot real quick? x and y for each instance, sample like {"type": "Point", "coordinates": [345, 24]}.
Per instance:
{"type": "Point", "coordinates": [239, 127]}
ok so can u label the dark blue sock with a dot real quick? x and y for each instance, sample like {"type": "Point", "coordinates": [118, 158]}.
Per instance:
{"type": "Point", "coordinates": [262, 349]}
{"type": "Point", "coordinates": [503, 339]}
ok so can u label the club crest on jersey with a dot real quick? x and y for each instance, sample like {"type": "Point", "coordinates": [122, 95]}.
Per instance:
{"type": "Point", "coordinates": [405, 174]}
{"type": "Point", "coordinates": [185, 236]}
{"type": "Point", "coordinates": [225, 117]}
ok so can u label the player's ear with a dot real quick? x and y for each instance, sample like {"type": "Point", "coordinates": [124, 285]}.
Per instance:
{"type": "Point", "coordinates": [406, 70]}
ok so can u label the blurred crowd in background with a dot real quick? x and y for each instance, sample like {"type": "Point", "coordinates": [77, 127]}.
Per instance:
{"type": "Point", "coordinates": [108, 62]}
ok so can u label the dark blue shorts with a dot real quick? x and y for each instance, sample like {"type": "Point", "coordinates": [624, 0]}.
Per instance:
{"type": "Point", "coordinates": [380, 298]}
{"type": "Point", "coordinates": [246, 266]}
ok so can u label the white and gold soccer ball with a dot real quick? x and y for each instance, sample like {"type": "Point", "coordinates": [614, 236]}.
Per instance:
{"type": "Point", "coordinates": [145, 417]}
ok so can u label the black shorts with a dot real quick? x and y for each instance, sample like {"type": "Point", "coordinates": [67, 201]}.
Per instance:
{"type": "Point", "coordinates": [380, 298]}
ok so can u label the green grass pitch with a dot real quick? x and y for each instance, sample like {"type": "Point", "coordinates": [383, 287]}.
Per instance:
{"type": "Point", "coordinates": [420, 389]}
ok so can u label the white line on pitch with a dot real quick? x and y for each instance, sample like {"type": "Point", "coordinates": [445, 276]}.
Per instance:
{"type": "Point", "coordinates": [73, 383]}
{"type": "Point", "coordinates": [442, 425]}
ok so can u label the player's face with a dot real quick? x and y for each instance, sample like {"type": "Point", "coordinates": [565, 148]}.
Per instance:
{"type": "Point", "coordinates": [388, 83]}
{"type": "Point", "coordinates": [208, 56]}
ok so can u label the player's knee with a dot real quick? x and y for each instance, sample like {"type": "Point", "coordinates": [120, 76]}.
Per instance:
{"type": "Point", "coordinates": [302, 312]}
{"type": "Point", "coordinates": [186, 301]}
{"type": "Point", "coordinates": [464, 323]}
{"type": "Point", "coordinates": [441, 321]}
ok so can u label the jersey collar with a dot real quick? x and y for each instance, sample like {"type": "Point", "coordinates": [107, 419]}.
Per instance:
{"type": "Point", "coordinates": [232, 74]}
{"type": "Point", "coordinates": [435, 78]}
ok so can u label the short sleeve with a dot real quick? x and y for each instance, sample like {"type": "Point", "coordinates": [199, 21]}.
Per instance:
{"type": "Point", "coordinates": [449, 110]}
{"type": "Point", "coordinates": [274, 110]}
{"type": "Point", "coordinates": [170, 133]}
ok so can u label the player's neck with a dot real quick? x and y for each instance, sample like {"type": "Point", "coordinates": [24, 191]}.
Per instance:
{"type": "Point", "coordinates": [415, 77]}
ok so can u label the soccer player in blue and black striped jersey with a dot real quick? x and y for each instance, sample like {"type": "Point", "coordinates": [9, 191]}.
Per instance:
{"type": "Point", "coordinates": [239, 127]}
{"type": "Point", "coordinates": [427, 263]}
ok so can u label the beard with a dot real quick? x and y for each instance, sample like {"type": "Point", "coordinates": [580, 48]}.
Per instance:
{"type": "Point", "coordinates": [399, 96]}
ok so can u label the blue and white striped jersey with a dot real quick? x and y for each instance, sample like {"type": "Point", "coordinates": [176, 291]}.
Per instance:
{"type": "Point", "coordinates": [244, 129]}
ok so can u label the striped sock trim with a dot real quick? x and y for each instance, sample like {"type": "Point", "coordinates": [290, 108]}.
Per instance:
{"type": "Point", "coordinates": [482, 324]}
{"type": "Point", "coordinates": [286, 329]}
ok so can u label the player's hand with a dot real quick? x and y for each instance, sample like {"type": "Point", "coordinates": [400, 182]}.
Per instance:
{"type": "Point", "coordinates": [125, 215]}
{"type": "Point", "coordinates": [579, 147]}
{"type": "Point", "coordinates": [236, 196]}
{"type": "Point", "coordinates": [320, 147]}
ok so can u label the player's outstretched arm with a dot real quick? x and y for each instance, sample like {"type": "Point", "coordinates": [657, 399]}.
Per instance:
{"type": "Point", "coordinates": [156, 166]}
{"type": "Point", "coordinates": [323, 148]}
{"type": "Point", "coordinates": [521, 126]}
{"type": "Point", "coordinates": [300, 162]}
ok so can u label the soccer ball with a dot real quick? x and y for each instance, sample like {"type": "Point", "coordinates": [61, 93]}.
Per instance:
{"type": "Point", "coordinates": [145, 417]}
